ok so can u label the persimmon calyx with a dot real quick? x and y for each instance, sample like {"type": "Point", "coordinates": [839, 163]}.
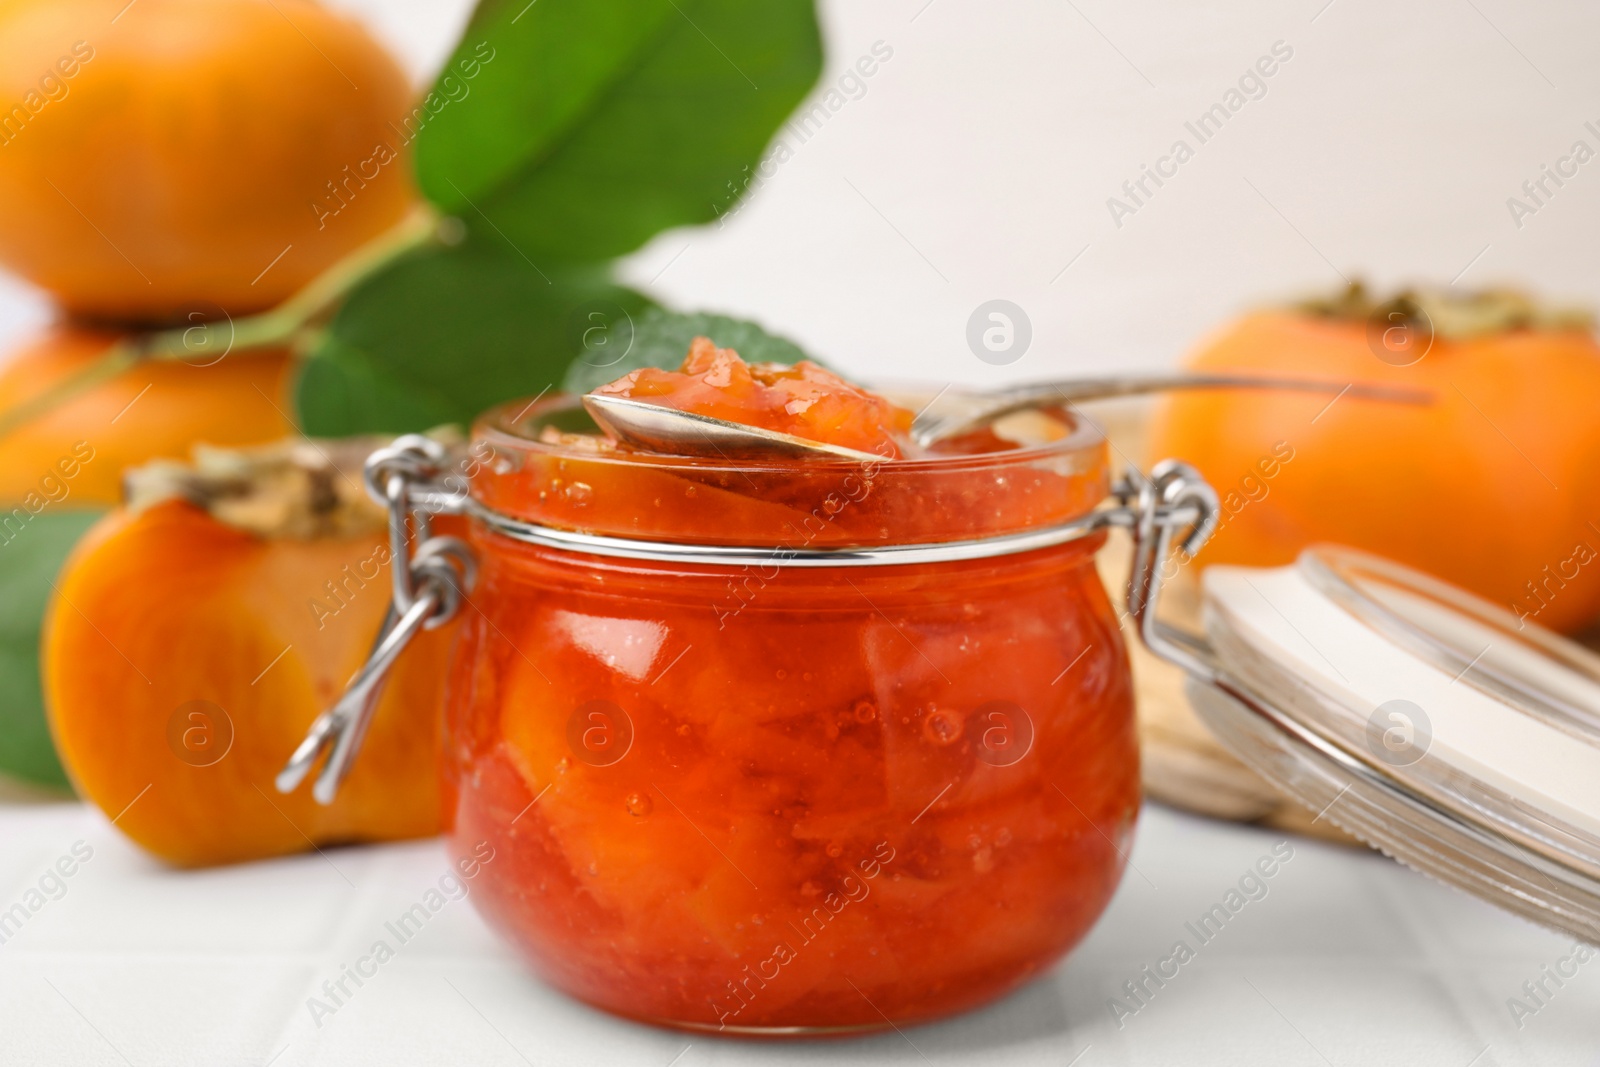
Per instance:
{"type": "Point", "coordinates": [1447, 313]}
{"type": "Point", "coordinates": [297, 488]}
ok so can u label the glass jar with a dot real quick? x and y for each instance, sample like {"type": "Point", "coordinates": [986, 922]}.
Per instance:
{"type": "Point", "coordinates": [790, 795]}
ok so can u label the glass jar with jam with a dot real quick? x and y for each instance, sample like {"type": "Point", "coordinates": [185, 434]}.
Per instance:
{"type": "Point", "coordinates": [788, 745]}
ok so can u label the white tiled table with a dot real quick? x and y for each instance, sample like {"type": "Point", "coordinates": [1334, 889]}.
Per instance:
{"type": "Point", "coordinates": [1348, 960]}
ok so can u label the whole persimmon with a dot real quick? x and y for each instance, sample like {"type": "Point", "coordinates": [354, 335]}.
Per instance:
{"type": "Point", "coordinates": [1494, 485]}
{"type": "Point", "coordinates": [170, 157]}
{"type": "Point", "coordinates": [197, 633]}
{"type": "Point", "coordinates": [156, 409]}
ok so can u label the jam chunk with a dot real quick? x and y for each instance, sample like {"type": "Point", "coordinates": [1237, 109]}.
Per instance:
{"type": "Point", "coordinates": [803, 400]}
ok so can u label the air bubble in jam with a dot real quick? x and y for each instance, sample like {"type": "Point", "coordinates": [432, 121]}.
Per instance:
{"type": "Point", "coordinates": [639, 804]}
{"type": "Point", "coordinates": [942, 726]}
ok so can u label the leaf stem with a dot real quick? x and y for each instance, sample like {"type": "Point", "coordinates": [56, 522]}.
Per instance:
{"type": "Point", "coordinates": [277, 327]}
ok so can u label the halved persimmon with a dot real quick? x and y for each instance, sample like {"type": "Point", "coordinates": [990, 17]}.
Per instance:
{"type": "Point", "coordinates": [193, 640]}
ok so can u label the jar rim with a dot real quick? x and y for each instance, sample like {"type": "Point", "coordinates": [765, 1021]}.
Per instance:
{"type": "Point", "coordinates": [1059, 473]}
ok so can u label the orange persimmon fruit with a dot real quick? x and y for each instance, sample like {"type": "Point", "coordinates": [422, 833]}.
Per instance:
{"type": "Point", "coordinates": [176, 157]}
{"type": "Point", "coordinates": [155, 410]}
{"type": "Point", "coordinates": [198, 632]}
{"type": "Point", "coordinates": [1493, 486]}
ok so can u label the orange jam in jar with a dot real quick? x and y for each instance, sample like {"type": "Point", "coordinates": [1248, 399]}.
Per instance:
{"type": "Point", "coordinates": [765, 798]}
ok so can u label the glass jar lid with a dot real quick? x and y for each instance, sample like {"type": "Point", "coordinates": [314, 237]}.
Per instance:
{"type": "Point", "coordinates": [1445, 731]}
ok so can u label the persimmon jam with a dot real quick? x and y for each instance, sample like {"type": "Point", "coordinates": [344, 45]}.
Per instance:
{"type": "Point", "coordinates": [804, 399]}
{"type": "Point", "coordinates": [765, 799]}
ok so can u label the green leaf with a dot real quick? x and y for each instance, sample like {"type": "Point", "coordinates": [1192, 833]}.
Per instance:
{"type": "Point", "coordinates": [446, 333]}
{"type": "Point", "coordinates": [32, 549]}
{"type": "Point", "coordinates": [578, 129]}
{"type": "Point", "coordinates": [661, 338]}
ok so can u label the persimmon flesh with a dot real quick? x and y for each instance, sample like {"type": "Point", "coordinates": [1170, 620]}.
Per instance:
{"type": "Point", "coordinates": [184, 660]}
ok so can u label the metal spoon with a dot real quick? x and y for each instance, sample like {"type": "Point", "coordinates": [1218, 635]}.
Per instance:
{"type": "Point", "coordinates": [682, 433]}
{"type": "Point", "coordinates": [932, 426]}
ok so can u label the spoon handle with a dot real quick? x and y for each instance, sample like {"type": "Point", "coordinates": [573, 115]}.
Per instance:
{"type": "Point", "coordinates": [929, 427]}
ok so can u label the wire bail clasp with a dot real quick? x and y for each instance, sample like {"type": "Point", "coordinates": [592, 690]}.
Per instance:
{"type": "Point", "coordinates": [429, 585]}
{"type": "Point", "coordinates": [1174, 497]}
